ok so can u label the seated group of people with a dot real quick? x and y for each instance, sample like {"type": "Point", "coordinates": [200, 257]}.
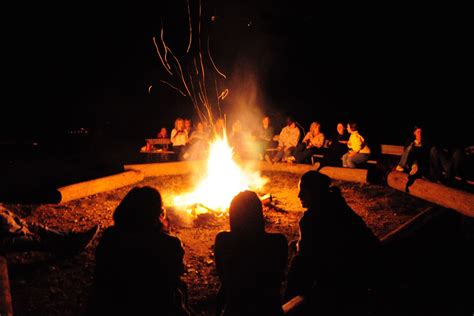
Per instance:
{"type": "Point", "coordinates": [437, 163]}
{"type": "Point", "coordinates": [347, 149]}
{"type": "Point", "coordinates": [139, 264]}
{"type": "Point", "coordinates": [189, 143]}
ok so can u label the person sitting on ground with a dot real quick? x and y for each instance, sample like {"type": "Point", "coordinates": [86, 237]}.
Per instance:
{"type": "Point", "coordinates": [179, 138]}
{"type": "Point", "coordinates": [336, 148]}
{"type": "Point", "coordinates": [415, 154]}
{"type": "Point", "coordinates": [198, 143]}
{"type": "Point", "coordinates": [138, 264]}
{"type": "Point", "coordinates": [188, 126]}
{"type": "Point", "coordinates": [17, 235]}
{"type": "Point", "coordinates": [358, 152]}
{"type": "Point", "coordinates": [287, 142]}
{"type": "Point", "coordinates": [336, 252]}
{"type": "Point", "coordinates": [264, 137]}
{"type": "Point", "coordinates": [249, 261]}
{"type": "Point", "coordinates": [163, 133]}
{"type": "Point", "coordinates": [238, 140]}
{"type": "Point", "coordinates": [312, 144]}
{"type": "Point", "coordinates": [219, 128]}
{"type": "Point", "coordinates": [447, 164]}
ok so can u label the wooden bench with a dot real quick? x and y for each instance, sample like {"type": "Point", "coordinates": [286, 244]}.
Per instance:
{"type": "Point", "coordinates": [394, 150]}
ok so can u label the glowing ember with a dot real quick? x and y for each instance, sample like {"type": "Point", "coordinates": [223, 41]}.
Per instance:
{"type": "Point", "coordinates": [223, 180]}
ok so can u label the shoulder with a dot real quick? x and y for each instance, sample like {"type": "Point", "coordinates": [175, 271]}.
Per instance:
{"type": "Point", "coordinates": [171, 240]}
{"type": "Point", "coordinates": [223, 237]}
{"type": "Point", "coordinates": [277, 238]}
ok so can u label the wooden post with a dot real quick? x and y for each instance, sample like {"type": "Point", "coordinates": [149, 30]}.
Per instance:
{"type": "Point", "coordinates": [5, 295]}
{"type": "Point", "coordinates": [458, 200]}
{"type": "Point", "coordinates": [184, 167]}
{"type": "Point", "coordinates": [86, 188]}
{"type": "Point", "coordinates": [346, 174]}
{"type": "Point", "coordinates": [169, 168]}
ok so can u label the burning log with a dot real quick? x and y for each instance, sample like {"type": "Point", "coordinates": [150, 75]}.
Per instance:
{"type": "Point", "coordinates": [205, 207]}
{"type": "Point", "coordinates": [266, 199]}
{"type": "Point", "coordinates": [461, 201]}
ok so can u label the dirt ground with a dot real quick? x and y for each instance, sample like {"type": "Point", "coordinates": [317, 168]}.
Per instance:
{"type": "Point", "coordinates": [44, 285]}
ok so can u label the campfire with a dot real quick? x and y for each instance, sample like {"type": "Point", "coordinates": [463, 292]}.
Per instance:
{"type": "Point", "coordinates": [223, 178]}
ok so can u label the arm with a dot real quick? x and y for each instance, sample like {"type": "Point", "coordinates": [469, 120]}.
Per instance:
{"type": "Point", "coordinates": [319, 141]}
{"type": "Point", "coordinates": [293, 139]}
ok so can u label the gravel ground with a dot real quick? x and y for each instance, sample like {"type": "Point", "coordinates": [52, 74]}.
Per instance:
{"type": "Point", "coordinates": [44, 285]}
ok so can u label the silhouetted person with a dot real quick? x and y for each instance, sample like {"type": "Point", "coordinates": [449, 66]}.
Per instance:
{"type": "Point", "coordinates": [448, 163]}
{"type": "Point", "coordinates": [416, 153]}
{"type": "Point", "coordinates": [264, 137]}
{"type": "Point", "coordinates": [250, 262]}
{"type": "Point", "coordinates": [335, 252]}
{"type": "Point", "coordinates": [16, 235]}
{"type": "Point", "coordinates": [138, 264]}
{"type": "Point", "coordinates": [337, 147]}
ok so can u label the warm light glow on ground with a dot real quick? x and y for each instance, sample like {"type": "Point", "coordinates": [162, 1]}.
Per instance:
{"type": "Point", "coordinates": [223, 180]}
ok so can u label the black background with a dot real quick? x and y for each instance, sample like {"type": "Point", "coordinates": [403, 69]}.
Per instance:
{"type": "Point", "coordinates": [386, 65]}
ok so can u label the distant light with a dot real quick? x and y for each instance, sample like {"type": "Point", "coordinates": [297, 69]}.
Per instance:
{"type": "Point", "coordinates": [249, 24]}
{"type": "Point", "coordinates": [35, 144]}
{"type": "Point", "coordinates": [213, 18]}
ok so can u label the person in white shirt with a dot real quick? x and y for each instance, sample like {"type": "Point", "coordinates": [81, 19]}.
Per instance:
{"type": "Point", "coordinates": [312, 144]}
{"type": "Point", "coordinates": [179, 138]}
{"type": "Point", "coordinates": [289, 137]}
{"type": "Point", "coordinates": [358, 150]}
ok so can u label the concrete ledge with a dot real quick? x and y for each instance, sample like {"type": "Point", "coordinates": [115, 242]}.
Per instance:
{"type": "Point", "coordinates": [91, 187]}
{"type": "Point", "coordinates": [184, 167]}
{"type": "Point", "coordinates": [168, 168]}
{"type": "Point", "coordinates": [458, 200]}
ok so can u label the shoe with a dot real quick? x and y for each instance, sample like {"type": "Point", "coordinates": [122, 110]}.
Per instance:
{"type": "Point", "coordinates": [399, 168]}
{"type": "Point", "coordinates": [76, 242]}
{"type": "Point", "coordinates": [414, 169]}
{"type": "Point", "coordinates": [291, 159]}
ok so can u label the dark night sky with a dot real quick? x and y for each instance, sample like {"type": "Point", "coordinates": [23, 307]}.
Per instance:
{"type": "Point", "coordinates": [387, 65]}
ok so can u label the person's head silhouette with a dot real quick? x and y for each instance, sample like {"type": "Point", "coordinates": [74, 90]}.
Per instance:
{"type": "Point", "coordinates": [246, 214]}
{"type": "Point", "coordinates": [141, 209]}
{"type": "Point", "coordinates": [313, 188]}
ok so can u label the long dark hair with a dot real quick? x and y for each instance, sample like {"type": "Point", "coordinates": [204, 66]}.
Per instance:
{"type": "Point", "coordinates": [139, 210]}
{"type": "Point", "coordinates": [246, 215]}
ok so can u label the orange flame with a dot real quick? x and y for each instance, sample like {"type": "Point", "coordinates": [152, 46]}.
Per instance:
{"type": "Point", "coordinates": [223, 180]}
